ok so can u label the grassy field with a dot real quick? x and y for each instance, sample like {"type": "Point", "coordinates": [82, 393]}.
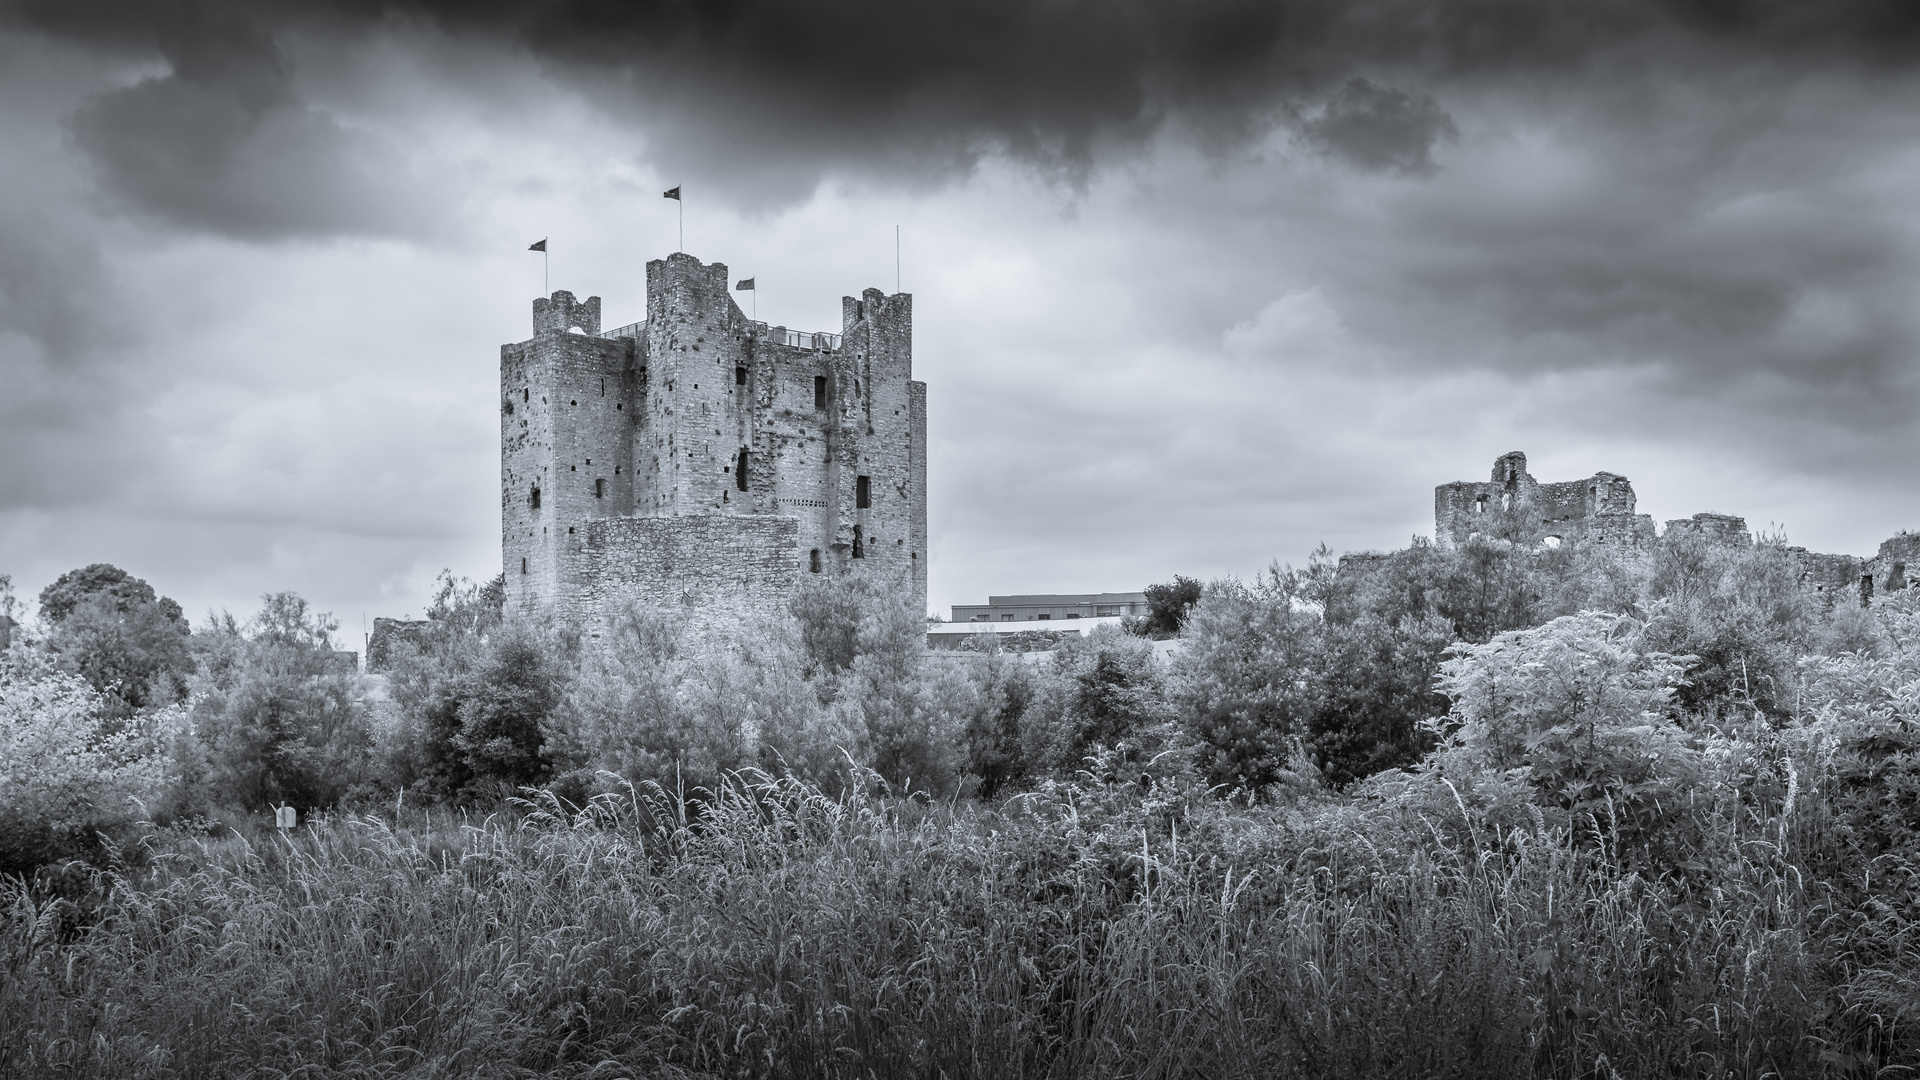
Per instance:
{"type": "Point", "coordinates": [1091, 930]}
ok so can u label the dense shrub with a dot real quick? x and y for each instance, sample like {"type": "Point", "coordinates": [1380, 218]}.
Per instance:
{"type": "Point", "coordinates": [69, 779]}
{"type": "Point", "coordinates": [277, 713]}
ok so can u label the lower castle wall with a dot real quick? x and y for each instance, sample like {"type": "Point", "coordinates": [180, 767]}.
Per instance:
{"type": "Point", "coordinates": [1896, 565]}
{"type": "Point", "coordinates": [1724, 530]}
{"type": "Point", "coordinates": [718, 566]}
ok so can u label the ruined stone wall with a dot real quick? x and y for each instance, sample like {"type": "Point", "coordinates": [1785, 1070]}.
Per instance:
{"type": "Point", "coordinates": [1720, 529]}
{"type": "Point", "coordinates": [1896, 565]}
{"type": "Point", "coordinates": [1828, 573]}
{"type": "Point", "coordinates": [388, 636]}
{"type": "Point", "coordinates": [1600, 509]}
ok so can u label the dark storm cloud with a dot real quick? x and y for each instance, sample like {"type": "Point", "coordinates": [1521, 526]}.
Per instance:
{"type": "Point", "coordinates": [1381, 129]}
{"type": "Point", "coordinates": [759, 99]}
{"type": "Point", "coordinates": [221, 143]}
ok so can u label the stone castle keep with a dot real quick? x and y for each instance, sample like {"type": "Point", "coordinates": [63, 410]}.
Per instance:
{"type": "Point", "coordinates": [1600, 510]}
{"type": "Point", "coordinates": [701, 460]}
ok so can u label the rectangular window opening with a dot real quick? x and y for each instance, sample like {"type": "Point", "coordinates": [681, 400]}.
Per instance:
{"type": "Point", "coordinates": [862, 492]}
{"type": "Point", "coordinates": [819, 391]}
{"type": "Point", "coordinates": [813, 560]}
{"type": "Point", "coordinates": [600, 488]}
{"type": "Point", "coordinates": [534, 499]}
{"type": "Point", "coordinates": [859, 544]}
{"type": "Point", "coordinates": [739, 376]}
{"type": "Point", "coordinates": [523, 564]}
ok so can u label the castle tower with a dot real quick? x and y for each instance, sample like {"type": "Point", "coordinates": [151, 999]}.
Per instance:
{"type": "Point", "coordinates": [703, 460]}
{"type": "Point", "coordinates": [565, 436]}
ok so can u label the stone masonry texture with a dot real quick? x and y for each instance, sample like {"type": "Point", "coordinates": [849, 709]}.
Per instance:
{"type": "Point", "coordinates": [703, 461]}
{"type": "Point", "coordinates": [1600, 510]}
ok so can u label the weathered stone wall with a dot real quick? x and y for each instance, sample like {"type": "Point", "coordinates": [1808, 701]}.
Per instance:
{"type": "Point", "coordinates": [703, 413]}
{"type": "Point", "coordinates": [727, 565]}
{"type": "Point", "coordinates": [1828, 573]}
{"type": "Point", "coordinates": [566, 431]}
{"type": "Point", "coordinates": [1720, 529]}
{"type": "Point", "coordinates": [1896, 565]}
{"type": "Point", "coordinates": [1599, 509]}
{"type": "Point", "coordinates": [388, 635]}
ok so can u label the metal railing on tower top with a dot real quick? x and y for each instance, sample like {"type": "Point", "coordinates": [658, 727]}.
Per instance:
{"type": "Point", "coordinates": [799, 339]}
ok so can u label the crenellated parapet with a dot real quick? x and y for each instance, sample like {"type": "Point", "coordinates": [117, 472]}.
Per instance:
{"type": "Point", "coordinates": [559, 313]}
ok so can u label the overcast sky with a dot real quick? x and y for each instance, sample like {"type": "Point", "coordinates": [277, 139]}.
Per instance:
{"type": "Point", "coordinates": [1198, 286]}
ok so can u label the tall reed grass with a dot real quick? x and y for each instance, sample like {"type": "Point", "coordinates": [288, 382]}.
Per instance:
{"type": "Point", "coordinates": [1081, 931]}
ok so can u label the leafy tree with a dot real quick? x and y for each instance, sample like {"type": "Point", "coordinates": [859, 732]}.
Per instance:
{"type": "Point", "coordinates": [1105, 693]}
{"type": "Point", "coordinates": [829, 608]}
{"type": "Point", "coordinates": [278, 716]}
{"type": "Point", "coordinates": [1376, 692]}
{"type": "Point", "coordinates": [100, 581]}
{"type": "Point", "coordinates": [114, 631]}
{"type": "Point", "coordinates": [1246, 677]}
{"type": "Point", "coordinates": [501, 709]}
{"type": "Point", "coordinates": [1167, 606]}
{"type": "Point", "coordinates": [1005, 690]}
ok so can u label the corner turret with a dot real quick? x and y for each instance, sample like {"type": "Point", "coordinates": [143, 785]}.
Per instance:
{"type": "Point", "coordinates": [561, 313]}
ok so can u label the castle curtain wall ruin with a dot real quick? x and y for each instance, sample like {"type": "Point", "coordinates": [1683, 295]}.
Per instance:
{"type": "Point", "coordinates": [1601, 510]}
{"type": "Point", "coordinates": [703, 460]}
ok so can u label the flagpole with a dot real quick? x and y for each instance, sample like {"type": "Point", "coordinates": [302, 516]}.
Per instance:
{"type": "Point", "coordinates": [682, 202]}
{"type": "Point", "coordinates": [546, 272]}
{"type": "Point", "coordinates": [896, 259]}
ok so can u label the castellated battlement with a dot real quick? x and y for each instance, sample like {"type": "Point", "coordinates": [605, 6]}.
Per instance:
{"type": "Point", "coordinates": [561, 312]}
{"type": "Point", "coordinates": [701, 460]}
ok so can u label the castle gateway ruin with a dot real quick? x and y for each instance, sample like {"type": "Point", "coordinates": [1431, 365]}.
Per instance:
{"type": "Point", "coordinates": [703, 461]}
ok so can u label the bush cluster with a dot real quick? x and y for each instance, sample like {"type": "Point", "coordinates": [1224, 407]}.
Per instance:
{"type": "Point", "coordinates": [1493, 810]}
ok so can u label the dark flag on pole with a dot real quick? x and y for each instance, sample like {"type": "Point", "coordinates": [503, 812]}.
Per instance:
{"type": "Point", "coordinates": [744, 286]}
{"type": "Point", "coordinates": [671, 193]}
{"type": "Point", "coordinates": [541, 246]}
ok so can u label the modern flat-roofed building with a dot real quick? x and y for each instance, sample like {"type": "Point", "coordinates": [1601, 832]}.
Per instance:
{"type": "Point", "coordinates": [1037, 607]}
